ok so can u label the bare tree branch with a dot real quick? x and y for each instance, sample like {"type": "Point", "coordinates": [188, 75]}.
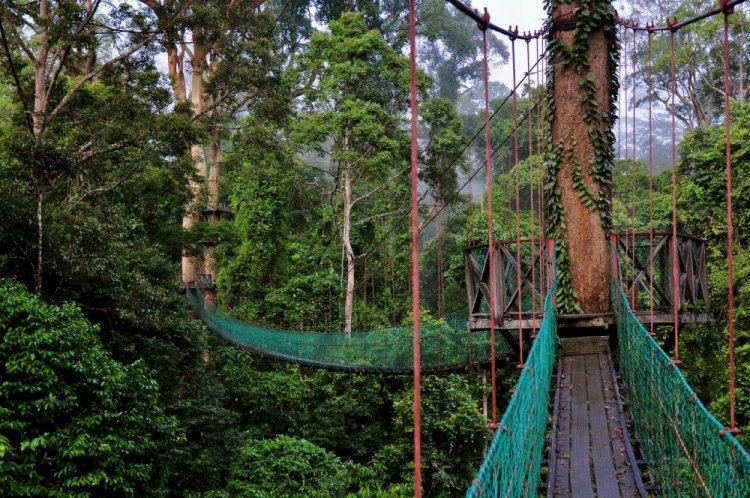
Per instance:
{"type": "Point", "coordinates": [64, 101]}
{"type": "Point", "coordinates": [85, 156]}
{"type": "Point", "coordinates": [373, 191]}
{"type": "Point", "coordinates": [378, 216]}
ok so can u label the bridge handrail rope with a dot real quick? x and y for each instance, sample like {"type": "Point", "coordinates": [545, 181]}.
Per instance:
{"type": "Point", "coordinates": [512, 465]}
{"type": "Point", "coordinates": [688, 450]}
{"type": "Point", "coordinates": [445, 346]}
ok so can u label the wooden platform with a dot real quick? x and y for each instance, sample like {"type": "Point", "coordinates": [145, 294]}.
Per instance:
{"type": "Point", "coordinates": [590, 453]}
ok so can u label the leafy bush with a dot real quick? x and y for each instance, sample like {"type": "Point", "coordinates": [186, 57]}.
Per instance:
{"type": "Point", "coordinates": [290, 467]}
{"type": "Point", "coordinates": [78, 423]}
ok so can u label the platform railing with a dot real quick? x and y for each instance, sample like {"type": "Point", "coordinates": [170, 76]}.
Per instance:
{"type": "Point", "coordinates": [512, 466]}
{"type": "Point", "coordinates": [535, 269]}
{"type": "Point", "coordinates": [635, 253]}
{"type": "Point", "coordinates": [687, 450]}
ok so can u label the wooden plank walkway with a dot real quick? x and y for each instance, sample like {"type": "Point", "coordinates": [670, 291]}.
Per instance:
{"type": "Point", "coordinates": [590, 454]}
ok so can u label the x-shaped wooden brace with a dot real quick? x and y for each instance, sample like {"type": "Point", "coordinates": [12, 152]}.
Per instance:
{"type": "Point", "coordinates": [640, 270]}
{"type": "Point", "coordinates": [514, 297]}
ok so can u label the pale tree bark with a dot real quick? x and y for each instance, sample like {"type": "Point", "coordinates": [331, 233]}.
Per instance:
{"type": "Point", "coordinates": [40, 66]}
{"type": "Point", "coordinates": [48, 61]}
{"type": "Point", "coordinates": [209, 259]}
{"type": "Point", "coordinates": [197, 50]}
{"type": "Point", "coordinates": [346, 230]}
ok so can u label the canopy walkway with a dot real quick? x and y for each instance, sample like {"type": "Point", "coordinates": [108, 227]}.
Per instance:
{"type": "Point", "coordinates": [448, 346]}
{"type": "Point", "coordinates": [686, 451]}
{"type": "Point", "coordinates": [649, 436]}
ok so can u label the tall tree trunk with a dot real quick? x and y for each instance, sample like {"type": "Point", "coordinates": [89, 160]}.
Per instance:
{"type": "Point", "coordinates": [40, 237]}
{"type": "Point", "coordinates": [587, 242]}
{"type": "Point", "coordinates": [210, 262]}
{"type": "Point", "coordinates": [346, 239]}
{"type": "Point", "coordinates": [197, 153]}
{"type": "Point", "coordinates": [440, 272]}
{"type": "Point", "coordinates": [38, 121]}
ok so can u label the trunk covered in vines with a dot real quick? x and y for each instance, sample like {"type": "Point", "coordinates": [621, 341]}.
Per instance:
{"type": "Point", "coordinates": [583, 86]}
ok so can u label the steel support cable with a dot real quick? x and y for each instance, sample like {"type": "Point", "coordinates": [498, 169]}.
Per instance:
{"type": "Point", "coordinates": [674, 25]}
{"type": "Point", "coordinates": [730, 225]}
{"type": "Point", "coordinates": [446, 170]}
{"type": "Point", "coordinates": [454, 197]}
{"type": "Point", "coordinates": [518, 206]}
{"type": "Point", "coordinates": [650, 189]}
{"type": "Point", "coordinates": [531, 195]}
{"type": "Point", "coordinates": [491, 246]}
{"type": "Point", "coordinates": [675, 256]}
{"type": "Point", "coordinates": [512, 35]}
{"type": "Point", "coordinates": [521, 121]}
{"type": "Point", "coordinates": [415, 251]}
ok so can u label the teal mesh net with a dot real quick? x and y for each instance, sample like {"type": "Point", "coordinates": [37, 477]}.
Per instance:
{"type": "Point", "coordinates": [445, 346]}
{"type": "Point", "coordinates": [512, 465]}
{"type": "Point", "coordinates": [683, 444]}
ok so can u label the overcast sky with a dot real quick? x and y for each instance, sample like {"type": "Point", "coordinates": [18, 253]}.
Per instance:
{"type": "Point", "coordinates": [528, 15]}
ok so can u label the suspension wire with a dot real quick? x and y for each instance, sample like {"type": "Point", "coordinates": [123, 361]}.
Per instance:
{"type": "Point", "coordinates": [619, 110]}
{"type": "Point", "coordinates": [445, 170]}
{"type": "Point", "coordinates": [675, 256]}
{"type": "Point", "coordinates": [474, 14]}
{"type": "Point", "coordinates": [634, 179]}
{"type": "Point", "coordinates": [476, 172]}
{"type": "Point", "coordinates": [626, 150]}
{"type": "Point", "coordinates": [490, 243]}
{"type": "Point", "coordinates": [674, 25]}
{"type": "Point", "coordinates": [456, 195]}
{"type": "Point", "coordinates": [650, 189]}
{"type": "Point", "coordinates": [730, 226]}
{"type": "Point", "coordinates": [518, 208]}
{"type": "Point", "coordinates": [543, 252]}
{"type": "Point", "coordinates": [415, 252]}
{"type": "Point", "coordinates": [440, 282]}
{"type": "Point", "coordinates": [531, 195]}
{"type": "Point", "coordinates": [381, 240]}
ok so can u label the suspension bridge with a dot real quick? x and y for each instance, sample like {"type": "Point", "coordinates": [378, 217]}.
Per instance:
{"type": "Point", "coordinates": [600, 408]}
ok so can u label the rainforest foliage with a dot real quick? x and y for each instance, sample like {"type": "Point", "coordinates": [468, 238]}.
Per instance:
{"type": "Point", "coordinates": [112, 116]}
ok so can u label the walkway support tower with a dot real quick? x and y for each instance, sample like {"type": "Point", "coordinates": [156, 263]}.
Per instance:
{"type": "Point", "coordinates": [583, 51]}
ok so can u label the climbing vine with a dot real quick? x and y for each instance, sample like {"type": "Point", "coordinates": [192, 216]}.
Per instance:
{"type": "Point", "coordinates": [587, 18]}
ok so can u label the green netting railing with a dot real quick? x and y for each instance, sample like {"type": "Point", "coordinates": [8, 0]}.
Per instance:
{"type": "Point", "coordinates": [447, 346]}
{"type": "Point", "coordinates": [687, 452]}
{"type": "Point", "coordinates": [512, 465]}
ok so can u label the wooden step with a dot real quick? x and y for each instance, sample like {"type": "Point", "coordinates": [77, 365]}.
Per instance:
{"type": "Point", "coordinates": [584, 345]}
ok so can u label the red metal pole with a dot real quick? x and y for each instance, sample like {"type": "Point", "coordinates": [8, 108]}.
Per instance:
{"type": "Point", "coordinates": [619, 113]}
{"type": "Point", "coordinates": [634, 174]}
{"type": "Point", "coordinates": [518, 208]}
{"type": "Point", "coordinates": [650, 190]}
{"type": "Point", "coordinates": [550, 258]}
{"type": "Point", "coordinates": [542, 231]}
{"type": "Point", "coordinates": [490, 241]}
{"type": "Point", "coordinates": [730, 225]}
{"type": "Point", "coordinates": [624, 196]}
{"type": "Point", "coordinates": [613, 261]}
{"type": "Point", "coordinates": [415, 252]}
{"type": "Point", "coordinates": [531, 193]}
{"type": "Point", "coordinates": [675, 256]}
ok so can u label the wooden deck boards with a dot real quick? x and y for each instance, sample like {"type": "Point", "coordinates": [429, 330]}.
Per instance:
{"type": "Point", "coordinates": [590, 456]}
